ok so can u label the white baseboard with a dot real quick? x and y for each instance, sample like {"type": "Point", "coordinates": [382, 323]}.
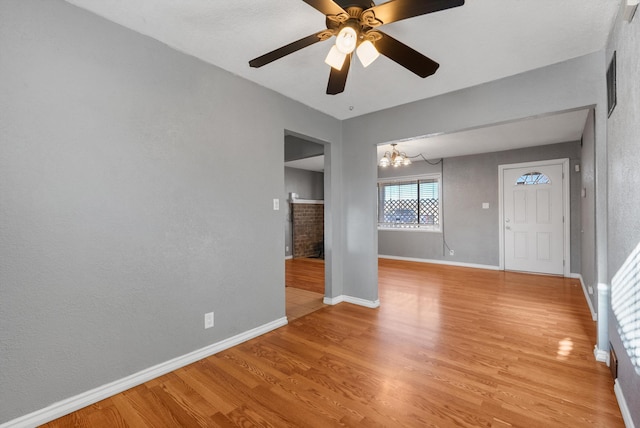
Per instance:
{"type": "Point", "coordinates": [622, 403]}
{"type": "Point", "coordinates": [288, 257]}
{"type": "Point", "coordinates": [354, 300]}
{"type": "Point", "coordinates": [92, 396]}
{"type": "Point", "coordinates": [440, 262]}
{"type": "Point", "coordinates": [333, 300]}
{"type": "Point", "coordinates": [594, 315]}
{"type": "Point", "coordinates": [601, 355]}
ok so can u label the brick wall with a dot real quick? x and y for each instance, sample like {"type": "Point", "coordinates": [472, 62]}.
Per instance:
{"type": "Point", "coordinates": [308, 229]}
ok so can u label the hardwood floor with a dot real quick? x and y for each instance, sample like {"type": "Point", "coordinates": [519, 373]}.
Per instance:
{"type": "Point", "coordinates": [301, 302]}
{"type": "Point", "coordinates": [305, 274]}
{"type": "Point", "coordinates": [304, 279]}
{"type": "Point", "coordinates": [448, 347]}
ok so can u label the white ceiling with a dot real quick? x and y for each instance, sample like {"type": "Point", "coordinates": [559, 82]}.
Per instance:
{"type": "Point", "coordinates": [483, 40]}
{"type": "Point", "coordinates": [538, 131]}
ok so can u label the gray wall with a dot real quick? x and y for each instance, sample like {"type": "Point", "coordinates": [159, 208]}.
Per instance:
{"type": "Point", "coordinates": [308, 185]}
{"type": "Point", "coordinates": [115, 221]}
{"type": "Point", "coordinates": [623, 130]}
{"type": "Point", "coordinates": [298, 148]}
{"type": "Point", "coordinates": [471, 231]}
{"type": "Point", "coordinates": [588, 211]}
{"type": "Point", "coordinates": [120, 224]}
{"type": "Point", "coordinates": [576, 83]}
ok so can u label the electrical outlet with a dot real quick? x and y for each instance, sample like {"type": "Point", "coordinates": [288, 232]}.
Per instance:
{"type": "Point", "coordinates": [590, 289]}
{"type": "Point", "coordinates": [286, 248]}
{"type": "Point", "coordinates": [276, 204]}
{"type": "Point", "coordinates": [452, 253]}
{"type": "Point", "coordinates": [208, 320]}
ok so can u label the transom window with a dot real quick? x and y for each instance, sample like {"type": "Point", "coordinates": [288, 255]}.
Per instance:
{"type": "Point", "coordinates": [533, 178]}
{"type": "Point", "coordinates": [409, 203]}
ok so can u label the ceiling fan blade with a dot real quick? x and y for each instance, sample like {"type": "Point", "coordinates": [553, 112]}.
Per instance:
{"type": "Point", "coordinates": [396, 10]}
{"type": "Point", "coordinates": [327, 7]}
{"type": "Point", "coordinates": [286, 50]}
{"type": "Point", "coordinates": [405, 56]}
{"type": "Point", "coordinates": [338, 78]}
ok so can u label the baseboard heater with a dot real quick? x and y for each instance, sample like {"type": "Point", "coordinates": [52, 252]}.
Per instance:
{"type": "Point", "coordinates": [613, 362]}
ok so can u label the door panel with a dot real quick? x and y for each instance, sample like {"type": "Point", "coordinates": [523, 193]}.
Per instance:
{"type": "Point", "coordinates": [520, 207]}
{"type": "Point", "coordinates": [520, 245]}
{"type": "Point", "coordinates": [533, 212]}
{"type": "Point", "coordinates": [544, 246]}
{"type": "Point", "coordinates": [543, 205]}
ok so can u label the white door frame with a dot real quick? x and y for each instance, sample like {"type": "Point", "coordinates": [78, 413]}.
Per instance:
{"type": "Point", "coordinates": [566, 206]}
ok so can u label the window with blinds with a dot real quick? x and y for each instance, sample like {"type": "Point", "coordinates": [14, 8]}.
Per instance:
{"type": "Point", "coordinates": [409, 203]}
{"type": "Point", "coordinates": [625, 302]}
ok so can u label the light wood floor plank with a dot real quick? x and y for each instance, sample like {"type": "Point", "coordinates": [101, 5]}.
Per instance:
{"type": "Point", "coordinates": [305, 274]}
{"type": "Point", "coordinates": [448, 347]}
{"type": "Point", "coordinates": [304, 279]}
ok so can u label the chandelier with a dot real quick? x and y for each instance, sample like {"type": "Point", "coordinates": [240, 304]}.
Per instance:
{"type": "Point", "coordinates": [394, 158]}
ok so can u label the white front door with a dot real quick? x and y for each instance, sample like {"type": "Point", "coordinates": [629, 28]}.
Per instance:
{"type": "Point", "coordinates": [533, 218]}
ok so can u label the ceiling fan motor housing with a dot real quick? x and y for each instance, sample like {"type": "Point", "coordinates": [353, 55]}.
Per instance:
{"type": "Point", "coordinates": [355, 19]}
{"type": "Point", "coordinates": [362, 4]}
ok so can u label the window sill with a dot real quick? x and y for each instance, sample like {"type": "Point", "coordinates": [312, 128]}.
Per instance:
{"type": "Point", "coordinates": [410, 229]}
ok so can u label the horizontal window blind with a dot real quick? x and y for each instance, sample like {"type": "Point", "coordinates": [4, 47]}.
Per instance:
{"type": "Point", "coordinates": [625, 301]}
{"type": "Point", "coordinates": [409, 204]}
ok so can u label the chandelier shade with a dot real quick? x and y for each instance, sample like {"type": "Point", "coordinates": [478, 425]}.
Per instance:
{"type": "Point", "coordinates": [394, 158]}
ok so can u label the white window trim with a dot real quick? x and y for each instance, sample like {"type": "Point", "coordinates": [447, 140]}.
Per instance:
{"type": "Point", "coordinates": [415, 228]}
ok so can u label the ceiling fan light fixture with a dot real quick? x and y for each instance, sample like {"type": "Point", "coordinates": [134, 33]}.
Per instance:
{"type": "Point", "coordinates": [335, 58]}
{"type": "Point", "coordinates": [346, 40]}
{"type": "Point", "coordinates": [367, 53]}
{"type": "Point", "coordinates": [354, 23]}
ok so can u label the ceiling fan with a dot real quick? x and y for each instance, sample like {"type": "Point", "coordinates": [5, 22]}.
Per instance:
{"type": "Point", "coordinates": [355, 24]}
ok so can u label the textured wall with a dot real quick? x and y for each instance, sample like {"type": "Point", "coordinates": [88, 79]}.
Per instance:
{"type": "Point", "coordinates": [115, 228]}
{"type": "Point", "coordinates": [308, 185]}
{"type": "Point", "coordinates": [588, 209]}
{"type": "Point", "coordinates": [624, 183]}
{"type": "Point", "coordinates": [471, 231]}
{"type": "Point", "coordinates": [120, 222]}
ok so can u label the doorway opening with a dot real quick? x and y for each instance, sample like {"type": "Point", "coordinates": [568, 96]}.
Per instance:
{"type": "Point", "coordinates": [304, 225]}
